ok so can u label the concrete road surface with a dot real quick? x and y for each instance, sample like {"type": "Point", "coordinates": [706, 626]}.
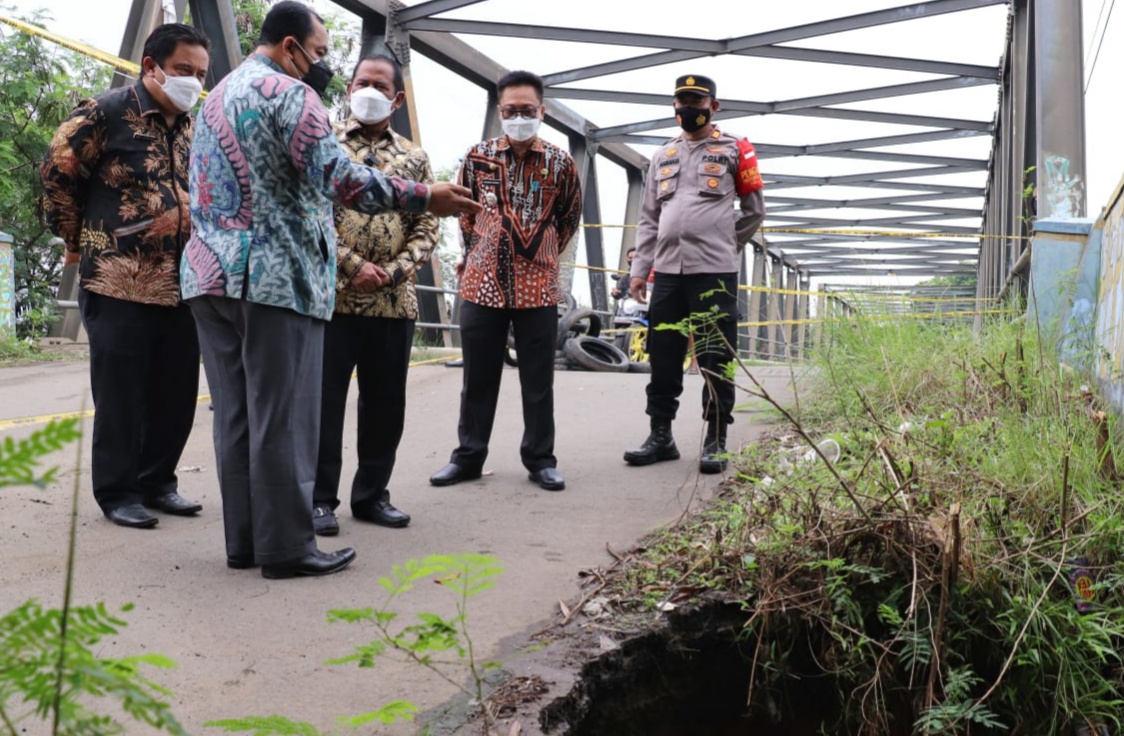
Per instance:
{"type": "Point", "coordinates": [246, 645]}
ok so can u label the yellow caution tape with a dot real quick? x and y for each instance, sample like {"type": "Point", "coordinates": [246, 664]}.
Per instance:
{"type": "Point", "coordinates": [122, 65]}
{"type": "Point", "coordinates": [855, 295]}
{"type": "Point", "coordinates": [128, 67]}
{"type": "Point", "coordinates": [44, 418]}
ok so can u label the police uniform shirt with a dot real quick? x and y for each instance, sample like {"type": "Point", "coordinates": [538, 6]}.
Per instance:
{"type": "Point", "coordinates": [688, 223]}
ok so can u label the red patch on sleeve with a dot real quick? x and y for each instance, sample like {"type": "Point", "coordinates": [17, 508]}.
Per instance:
{"type": "Point", "coordinates": [749, 177]}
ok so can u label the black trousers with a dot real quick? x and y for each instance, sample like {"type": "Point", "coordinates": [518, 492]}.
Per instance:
{"type": "Point", "coordinates": [144, 377]}
{"type": "Point", "coordinates": [378, 349]}
{"type": "Point", "coordinates": [483, 341]}
{"type": "Point", "coordinates": [674, 298]}
{"type": "Point", "coordinates": [264, 369]}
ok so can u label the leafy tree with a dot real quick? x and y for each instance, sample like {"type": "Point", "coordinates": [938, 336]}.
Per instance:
{"type": "Point", "coordinates": [954, 281]}
{"type": "Point", "coordinates": [39, 84]}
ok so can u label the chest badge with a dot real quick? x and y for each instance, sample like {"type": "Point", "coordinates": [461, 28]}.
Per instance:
{"type": "Point", "coordinates": [663, 186]}
{"type": "Point", "coordinates": [671, 152]}
{"type": "Point", "coordinates": [712, 169]}
{"type": "Point", "coordinates": [712, 183]}
{"type": "Point", "coordinates": [665, 171]}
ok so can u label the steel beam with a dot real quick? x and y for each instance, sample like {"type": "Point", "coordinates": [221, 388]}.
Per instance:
{"type": "Point", "coordinates": [633, 202]}
{"type": "Point", "coordinates": [881, 93]}
{"type": "Point", "coordinates": [776, 309]}
{"type": "Point", "coordinates": [894, 140]}
{"type": "Point", "coordinates": [784, 35]}
{"type": "Point", "coordinates": [462, 59]}
{"type": "Point", "coordinates": [144, 16]}
{"type": "Point", "coordinates": [593, 236]}
{"type": "Point", "coordinates": [380, 36]}
{"type": "Point", "coordinates": [383, 35]}
{"type": "Point", "coordinates": [434, 7]}
{"type": "Point", "coordinates": [789, 181]}
{"type": "Point", "coordinates": [820, 56]}
{"type": "Point", "coordinates": [492, 126]}
{"type": "Point", "coordinates": [216, 19]}
{"type": "Point", "coordinates": [797, 106]}
{"type": "Point", "coordinates": [756, 311]}
{"type": "Point", "coordinates": [1060, 100]}
{"type": "Point", "coordinates": [792, 283]}
{"type": "Point", "coordinates": [556, 33]}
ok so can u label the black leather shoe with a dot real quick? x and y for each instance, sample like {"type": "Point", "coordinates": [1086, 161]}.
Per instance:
{"type": "Point", "coordinates": [383, 513]}
{"type": "Point", "coordinates": [324, 521]}
{"type": "Point", "coordinates": [452, 474]}
{"type": "Point", "coordinates": [659, 446]}
{"type": "Point", "coordinates": [314, 563]}
{"type": "Point", "coordinates": [714, 456]}
{"type": "Point", "coordinates": [132, 515]}
{"type": "Point", "coordinates": [240, 563]}
{"type": "Point", "coordinates": [175, 504]}
{"type": "Point", "coordinates": [549, 479]}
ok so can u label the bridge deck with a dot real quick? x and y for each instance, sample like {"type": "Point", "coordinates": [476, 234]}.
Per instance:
{"type": "Point", "coordinates": [250, 646]}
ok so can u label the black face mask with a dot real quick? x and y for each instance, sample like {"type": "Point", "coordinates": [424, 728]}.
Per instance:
{"type": "Point", "coordinates": [319, 74]}
{"type": "Point", "coordinates": [692, 118]}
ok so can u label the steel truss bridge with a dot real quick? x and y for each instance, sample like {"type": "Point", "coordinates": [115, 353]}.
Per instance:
{"type": "Point", "coordinates": [870, 190]}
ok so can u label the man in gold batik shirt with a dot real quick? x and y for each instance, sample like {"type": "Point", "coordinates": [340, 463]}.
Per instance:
{"type": "Point", "coordinates": [372, 329]}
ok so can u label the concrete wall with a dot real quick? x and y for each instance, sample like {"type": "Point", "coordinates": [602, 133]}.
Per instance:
{"type": "Point", "coordinates": [1110, 301]}
{"type": "Point", "coordinates": [7, 286]}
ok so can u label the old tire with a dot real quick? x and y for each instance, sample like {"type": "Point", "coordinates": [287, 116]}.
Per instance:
{"type": "Point", "coordinates": [595, 355]}
{"type": "Point", "coordinates": [578, 322]}
{"type": "Point", "coordinates": [639, 367]}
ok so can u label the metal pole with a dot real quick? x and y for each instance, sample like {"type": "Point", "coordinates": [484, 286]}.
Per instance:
{"type": "Point", "coordinates": [743, 345]}
{"type": "Point", "coordinates": [381, 35]}
{"type": "Point", "coordinates": [756, 298]}
{"type": "Point", "coordinates": [821, 315]}
{"type": "Point", "coordinates": [492, 127]}
{"type": "Point", "coordinates": [144, 15]}
{"type": "Point", "coordinates": [594, 241]}
{"type": "Point", "coordinates": [1060, 109]}
{"type": "Point", "coordinates": [802, 315]}
{"type": "Point", "coordinates": [216, 19]}
{"type": "Point", "coordinates": [635, 198]}
{"type": "Point", "coordinates": [775, 307]}
{"type": "Point", "coordinates": [792, 282]}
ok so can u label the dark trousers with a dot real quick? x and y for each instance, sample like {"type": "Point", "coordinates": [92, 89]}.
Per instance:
{"type": "Point", "coordinates": [674, 298]}
{"type": "Point", "coordinates": [144, 377]}
{"type": "Point", "coordinates": [263, 366]}
{"type": "Point", "coordinates": [378, 350]}
{"type": "Point", "coordinates": [483, 341]}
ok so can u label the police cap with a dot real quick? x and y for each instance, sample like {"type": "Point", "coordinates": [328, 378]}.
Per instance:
{"type": "Point", "coordinates": [696, 83]}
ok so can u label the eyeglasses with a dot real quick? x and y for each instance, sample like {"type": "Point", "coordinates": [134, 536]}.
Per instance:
{"type": "Point", "coordinates": [507, 113]}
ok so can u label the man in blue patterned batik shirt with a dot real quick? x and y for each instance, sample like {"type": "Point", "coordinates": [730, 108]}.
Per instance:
{"type": "Point", "coordinates": [260, 274]}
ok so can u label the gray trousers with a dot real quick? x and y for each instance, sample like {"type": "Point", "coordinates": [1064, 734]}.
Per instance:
{"type": "Point", "coordinates": [264, 369]}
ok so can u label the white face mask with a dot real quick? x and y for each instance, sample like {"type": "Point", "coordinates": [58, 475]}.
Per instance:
{"type": "Point", "coordinates": [520, 128]}
{"type": "Point", "coordinates": [369, 106]}
{"type": "Point", "coordinates": [182, 92]}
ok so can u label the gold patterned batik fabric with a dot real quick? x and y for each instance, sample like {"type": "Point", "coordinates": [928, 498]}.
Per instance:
{"type": "Point", "coordinates": [399, 242]}
{"type": "Point", "coordinates": [115, 190]}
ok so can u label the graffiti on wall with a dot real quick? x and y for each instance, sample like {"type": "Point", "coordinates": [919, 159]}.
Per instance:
{"type": "Point", "coordinates": [1064, 191]}
{"type": "Point", "coordinates": [1110, 305]}
{"type": "Point", "coordinates": [7, 289]}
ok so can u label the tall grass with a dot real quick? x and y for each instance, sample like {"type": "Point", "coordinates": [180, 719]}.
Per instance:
{"type": "Point", "coordinates": [929, 573]}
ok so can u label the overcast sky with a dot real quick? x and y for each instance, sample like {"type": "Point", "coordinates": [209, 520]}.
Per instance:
{"type": "Point", "coordinates": [451, 110]}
